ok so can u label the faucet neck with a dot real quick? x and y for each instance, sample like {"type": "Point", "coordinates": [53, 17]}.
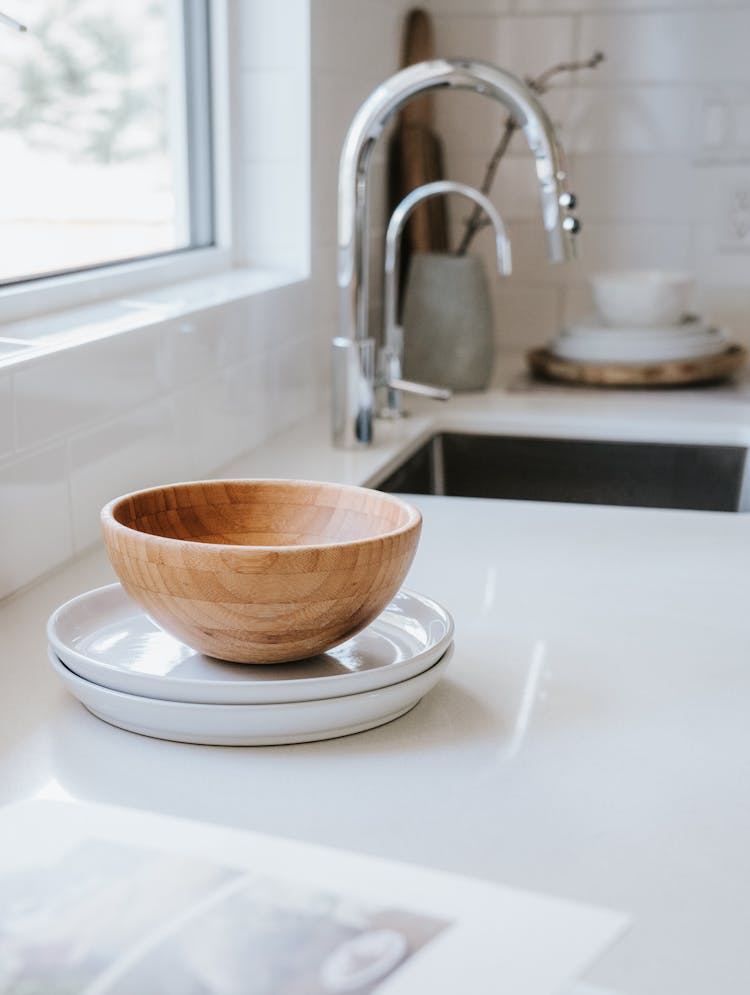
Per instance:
{"type": "Point", "coordinates": [393, 335]}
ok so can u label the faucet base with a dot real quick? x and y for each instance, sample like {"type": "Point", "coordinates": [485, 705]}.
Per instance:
{"type": "Point", "coordinates": [352, 390]}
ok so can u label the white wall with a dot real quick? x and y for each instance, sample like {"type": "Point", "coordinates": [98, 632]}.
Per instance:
{"type": "Point", "coordinates": [655, 185]}
{"type": "Point", "coordinates": [178, 398]}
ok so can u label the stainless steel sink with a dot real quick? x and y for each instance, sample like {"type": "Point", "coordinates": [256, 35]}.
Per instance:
{"type": "Point", "coordinates": [584, 471]}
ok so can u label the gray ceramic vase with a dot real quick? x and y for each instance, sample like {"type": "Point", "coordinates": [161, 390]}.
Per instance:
{"type": "Point", "coordinates": [448, 324]}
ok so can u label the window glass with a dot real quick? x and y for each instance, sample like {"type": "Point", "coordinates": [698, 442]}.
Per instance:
{"type": "Point", "coordinates": [97, 106]}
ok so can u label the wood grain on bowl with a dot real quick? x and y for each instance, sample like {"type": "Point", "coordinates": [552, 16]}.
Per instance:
{"type": "Point", "coordinates": [261, 571]}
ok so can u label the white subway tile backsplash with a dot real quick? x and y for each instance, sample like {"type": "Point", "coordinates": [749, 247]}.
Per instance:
{"type": "Point", "coordinates": [577, 302]}
{"type": "Point", "coordinates": [603, 245]}
{"type": "Point", "coordinates": [336, 97]}
{"type": "Point", "coordinates": [523, 45]}
{"type": "Point", "coordinates": [141, 449]}
{"type": "Point", "coordinates": [525, 316]}
{"type": "Point", "coordinates": [540, 297]}
{"type": "Point", "coordinates": [208, 341]}
{"type": "Point", "coordinates": [634, 245]}
{"type": "Point", "coordinates": [190, 348]}
{"type": "Point", "coordinates": [728, 307]}
{"type": "Point", "coordinates": [470, 6]}
{"type": "Point", "coordinates": [6, 415]}
{"type": "Point", "coordinates": [324, 204]}
{"type": "Point", "coordinates": [245, 331]}
{"type": "Point", "coordinates": [718, 266]}
{"type": "Point", "coordinates": [296, 388]}
{"type": "Point", "coordinates": [638, 119]}
{"type": "Point", "coordinates": [59, 394]}
{"type": "Point", "coordinates": [472, 124]}
{"type": "Point", "coordinates": [324, 289]}
{"type": "Point", "coordinates": [637, 188]}
{"type": "Point", "coordinates": [35, 526]}
{"type": "Point", "coordinates": [606, 6]}
{"type": "Point", "coordinates": [670, 46]}
{"type": "Point", "coordinates": [515, 192]}
{"type": "Point", "coordinates": [352, 37]}
{"type": "Point", "coordinates": [227, 414]}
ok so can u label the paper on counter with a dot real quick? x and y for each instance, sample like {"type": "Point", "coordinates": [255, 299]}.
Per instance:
{"type": "Point", "coordinates": [108, 901]}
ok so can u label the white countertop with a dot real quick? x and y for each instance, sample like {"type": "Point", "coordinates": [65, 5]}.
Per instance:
{"type": "Point", "coordinates": [591, 739]}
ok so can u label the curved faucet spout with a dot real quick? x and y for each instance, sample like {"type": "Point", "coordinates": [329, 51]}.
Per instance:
{"type": "Point", "coordinates": [393, 240]}
{"type": "Point", "coordinates": [368, 124]}
{"type": "Point", "coordinates": [391, 360]}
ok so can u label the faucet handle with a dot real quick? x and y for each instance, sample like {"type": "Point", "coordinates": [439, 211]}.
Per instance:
{"type": "Point", "coordinates": [390, 381]}
{"type": "Point", "coordinates": [421, 389]}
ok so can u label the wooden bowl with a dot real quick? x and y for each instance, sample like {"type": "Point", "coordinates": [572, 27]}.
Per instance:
{"type": "Point", "coordinates": [261, 571]}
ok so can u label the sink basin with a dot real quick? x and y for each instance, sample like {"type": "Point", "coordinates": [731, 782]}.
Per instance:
{"type": "Point", "coordinates": [584, 471]}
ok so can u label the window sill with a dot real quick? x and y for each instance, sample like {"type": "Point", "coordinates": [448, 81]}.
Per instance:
{"type": "Point", "coordinates": [27, 340]}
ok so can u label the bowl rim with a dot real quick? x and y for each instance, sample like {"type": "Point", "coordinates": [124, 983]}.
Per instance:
{"type": "Point", "coordinates": [109, 522]}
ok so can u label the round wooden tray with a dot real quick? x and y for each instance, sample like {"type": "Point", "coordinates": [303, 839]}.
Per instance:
{"type": "Point", "coordinates": [546, 365]}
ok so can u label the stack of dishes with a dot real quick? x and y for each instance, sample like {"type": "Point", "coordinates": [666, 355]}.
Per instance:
{"type": "Point", "coordinates": [642, 317]}
{"type": "Point", "coordinates": [234, 562]}
{"type": "Point", "coordinates": [128, 671]}
{"type": "Point", "coordinates": [641, 335]}
{"type": "Point", "coordinates": [589, 341]}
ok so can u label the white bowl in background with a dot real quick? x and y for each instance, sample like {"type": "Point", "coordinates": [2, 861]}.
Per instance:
{"type": "Point", "coordinates": [642, 297]}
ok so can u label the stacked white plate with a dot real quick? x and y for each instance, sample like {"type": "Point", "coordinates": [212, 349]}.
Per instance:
{"type": "Point", "coordinates": [132, 674]}
{"type": "Point", "coordinates": [592, 341]}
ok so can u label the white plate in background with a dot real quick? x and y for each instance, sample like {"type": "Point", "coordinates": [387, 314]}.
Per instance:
{"type": "Point", "coordinates": [592, 324]}
{"type": "Point", "coordinates": [584, 344]}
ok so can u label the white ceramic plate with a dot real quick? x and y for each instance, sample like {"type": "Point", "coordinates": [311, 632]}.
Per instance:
{"type": "Point", "coordinates": [252, 725]}
{"type": "Point", "coordinates": [625, 347]}
{"type": "Point", "coordinates": [105, 637]}
{"type": "Point", "coordinates": [592, 324]}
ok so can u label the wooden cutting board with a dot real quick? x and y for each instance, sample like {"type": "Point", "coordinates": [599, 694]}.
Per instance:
{"type": "Point", "coordinates": [415, 154]}
{"type": "Point", "coordinates": [704, 369]}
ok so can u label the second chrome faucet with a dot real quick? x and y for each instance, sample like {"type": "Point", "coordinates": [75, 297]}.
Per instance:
{"type": "Point", "coordinates": [390, 367]}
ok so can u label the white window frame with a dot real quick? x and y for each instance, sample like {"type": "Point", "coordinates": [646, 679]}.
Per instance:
{"type": "Point", "coordinates": [64, 291]}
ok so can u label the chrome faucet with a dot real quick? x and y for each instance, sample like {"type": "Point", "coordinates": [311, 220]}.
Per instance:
{"type": "Point", "coordinates": [353, 349]}
{"type": "Point", "coordinates": [390, 367]}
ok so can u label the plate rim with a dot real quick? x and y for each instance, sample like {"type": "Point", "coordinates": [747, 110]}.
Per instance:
{"type": "Point", "coordinates": [194, 686]}
{"type": "Point", "coordinates": [68, 675]}
{"type": "Point", "coordinates": [232, 725]}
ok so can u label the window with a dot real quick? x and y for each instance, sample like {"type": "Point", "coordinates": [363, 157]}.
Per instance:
{"type": "Point", "coordinates": [105, 134]}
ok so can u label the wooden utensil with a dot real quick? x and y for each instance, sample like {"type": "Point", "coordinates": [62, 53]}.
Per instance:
{"type": "Point", "coordinates": [703, 369]}
{"type": "Point", "coordinates": [261, 571]}
{"type": "Point", "coordinates": [418, 46]}
{"type": "Point", "coordinates": [416, 155]}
